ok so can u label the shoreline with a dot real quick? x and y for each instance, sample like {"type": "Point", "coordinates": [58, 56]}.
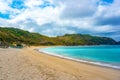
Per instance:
{"type": "Point", "coordinates": [29, 64]}
{"type": "Point", "coordinates": [81, 60]}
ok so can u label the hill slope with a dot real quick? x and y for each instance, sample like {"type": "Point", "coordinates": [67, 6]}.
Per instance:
{"type": "Point", "coordinates": [14, 35]}
{"type": "Point", "coordinates": [80, 39]}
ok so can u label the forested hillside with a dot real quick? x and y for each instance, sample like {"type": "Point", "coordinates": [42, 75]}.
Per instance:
{"type": "Point", "coordinates": [80, 39]}
{"type": "Point", "coordinates": [13, 35]}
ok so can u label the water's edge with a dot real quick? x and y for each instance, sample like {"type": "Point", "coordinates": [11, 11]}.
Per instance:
{"type": "Point", "coordinates": [80, 60]}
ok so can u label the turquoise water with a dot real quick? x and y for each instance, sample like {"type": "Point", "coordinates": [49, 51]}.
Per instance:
{"type": "Point", "coordinates": [107, 55]}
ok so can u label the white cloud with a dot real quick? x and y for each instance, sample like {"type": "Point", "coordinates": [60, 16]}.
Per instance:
{"type": "Point", "coordinates": [32, 3]}
{"type": "Point", "coordinates": [66, 16]}
{"type": "Point", "coordinates": [77, 8]}
{"type": "Point", "coordinates": [4, 6]}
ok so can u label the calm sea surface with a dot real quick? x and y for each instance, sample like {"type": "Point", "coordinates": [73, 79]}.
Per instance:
{"type": "Point", "coordinates": [105, 55]}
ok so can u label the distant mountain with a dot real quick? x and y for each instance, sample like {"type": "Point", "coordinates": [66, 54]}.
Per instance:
{"type": "Point", "coordinates": [85, 39]}
{"type": "Point", "coordinates": [14, 35]}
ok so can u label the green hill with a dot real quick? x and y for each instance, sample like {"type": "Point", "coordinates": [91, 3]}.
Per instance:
{"type": "Point", "coordinates": [80, 39]}
{"type": "Point", "coordinates": [14, 35]}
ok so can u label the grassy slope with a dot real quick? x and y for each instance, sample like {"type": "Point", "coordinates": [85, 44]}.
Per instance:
{"type": "Point", "coordinates": [14, 35]}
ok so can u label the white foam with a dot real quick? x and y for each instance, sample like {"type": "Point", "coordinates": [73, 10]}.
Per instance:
{"type": "Point", "coordinates": [83, 61]}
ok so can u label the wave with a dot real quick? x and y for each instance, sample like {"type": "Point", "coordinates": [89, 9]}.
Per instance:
{"type": "Point", "coordinates": [80, 60]}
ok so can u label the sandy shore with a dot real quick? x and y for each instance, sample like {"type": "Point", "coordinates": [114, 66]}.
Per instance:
{"type": "Point", "coordinates": [28, 64]}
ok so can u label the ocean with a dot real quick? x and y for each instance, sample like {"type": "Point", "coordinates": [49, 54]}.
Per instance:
{"type": "Point", "coordinates": [103, 55]}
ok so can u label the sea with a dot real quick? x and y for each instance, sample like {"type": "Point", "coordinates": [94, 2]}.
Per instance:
{"type": "Point", "coordinates": [101, 55]}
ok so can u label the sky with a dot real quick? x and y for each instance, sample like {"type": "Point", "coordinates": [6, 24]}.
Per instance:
{"type": "Point", "coordinates": [59, 17]}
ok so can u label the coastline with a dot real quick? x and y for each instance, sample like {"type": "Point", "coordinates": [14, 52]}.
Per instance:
{"type": "Point", "coordinates": [29, 64]}
{"type": "Point", "coordinates": [81, 60]}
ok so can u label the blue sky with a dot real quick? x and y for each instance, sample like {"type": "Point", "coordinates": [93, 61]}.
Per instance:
{"type": "Point", "coordinates": [59, 17]}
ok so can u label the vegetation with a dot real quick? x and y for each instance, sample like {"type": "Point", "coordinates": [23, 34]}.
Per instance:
{"type": "Point", "coordinates": [11, 36]}
{"type": "Point", "coordinates": [80, 39]}
{"type": "Point", "coordinates": [14, 35]}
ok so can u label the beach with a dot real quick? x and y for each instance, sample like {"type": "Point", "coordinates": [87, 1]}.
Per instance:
{"type": "Point", "coordinates": [29, 64]}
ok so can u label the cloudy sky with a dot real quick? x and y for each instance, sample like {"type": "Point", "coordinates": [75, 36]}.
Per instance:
{"type": "Point", "coordinates": [58, 17]}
